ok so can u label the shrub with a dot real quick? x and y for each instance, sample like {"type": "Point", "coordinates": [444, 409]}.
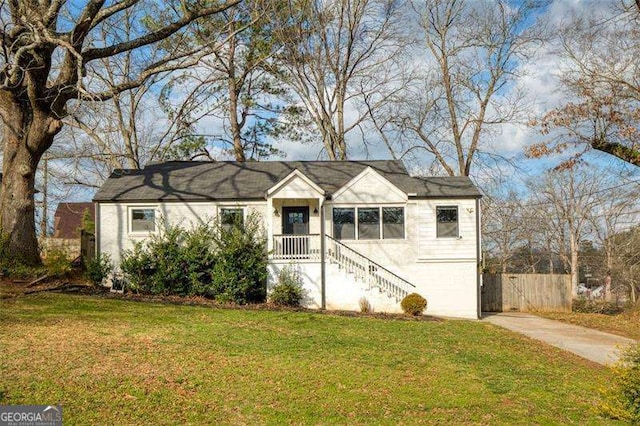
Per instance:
{"type": "Point", "coordinates": [174, 261]}
{"type": "Point", "coordinates": [240, 271]}
{"type": "Point", "coordinates": [97, 269]}
{"type": "Point", "coordinates": [207, 260]}
{"type": "Point", "coordinates": [413, 304]}
{"type": "Point", "coordinates": [288, 291]}
{"type": "Point", "coordinates": [595, 306]}
{"type": "Point", "coordinates": [622, 400]}
{"type": "Point", "coordinates": [56, 262]}
{"type": "Point", "coordinates": [365, 306]}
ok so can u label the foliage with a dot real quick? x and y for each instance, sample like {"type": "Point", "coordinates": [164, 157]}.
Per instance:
{"type": "Point", "coordinates": [240, 270]}
{"type": "Point", "coordinates": [88, 224]}
{"type": "Point", "coordinates": [174, 261]}
{"type": "Point", "coordinates": [622, 400]}
{"type": "Point", "coordinates": [56, 262]}
{"type": "Point", "coordinates": [206, 260]}
{"type": "Point", "coordinates": [595, 306]}
{"type": "Point", "coordinates": [288, 291]}
{"type": "Point", "coordinates": [98, 268]}
{"type": "Point", "coordinates": [365, 306]}
{"type": "Point", "coordinates": [413, 304]}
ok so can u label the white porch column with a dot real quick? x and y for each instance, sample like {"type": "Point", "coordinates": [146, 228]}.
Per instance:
{"type": "Point", "coordinates": [269, 224]}
{"type": "Point", "coordinates": [323, 287]}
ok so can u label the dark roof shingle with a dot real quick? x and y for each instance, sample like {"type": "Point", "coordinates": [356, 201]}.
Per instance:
{"type": "Point", "coordinates": [230, 180]}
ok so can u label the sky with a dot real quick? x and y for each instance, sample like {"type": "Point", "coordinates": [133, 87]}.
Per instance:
{"type": "Point", "coordinates": [539, 81]}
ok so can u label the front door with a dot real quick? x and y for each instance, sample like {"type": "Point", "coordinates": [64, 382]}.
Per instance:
{"type": "Point", "coordinates": [295, 220]}
{"type": "Point", "coordinates": [295, 224]}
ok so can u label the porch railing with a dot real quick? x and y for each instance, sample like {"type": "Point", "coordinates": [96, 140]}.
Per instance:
{"type": "Point", "coordinates": [366, 270]}
{"type": "Point", "coordinates": [296, 247]}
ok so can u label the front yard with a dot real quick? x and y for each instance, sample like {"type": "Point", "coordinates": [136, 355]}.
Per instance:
{"type": "Point", "coordinates": [121, 362]}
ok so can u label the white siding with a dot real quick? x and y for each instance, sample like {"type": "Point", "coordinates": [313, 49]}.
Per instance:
{"type": "Point", "coordinates": [296, 187]}
{"type": "Point", "coordinates": [113, 218]}
{"type": "Point", "coordinates": [369, 187]}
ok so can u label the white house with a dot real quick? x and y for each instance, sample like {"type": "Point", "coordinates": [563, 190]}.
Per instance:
{"type": "Point", "coordinates": [354, 229]}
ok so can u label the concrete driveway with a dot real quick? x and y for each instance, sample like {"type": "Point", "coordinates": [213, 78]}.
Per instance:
{"type": "Point", "coordinates": [594, 345]}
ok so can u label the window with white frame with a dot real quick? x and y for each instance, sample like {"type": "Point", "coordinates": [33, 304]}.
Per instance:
{"type": "Point", "coordinates": [143, 220]}
{"type": "Point", "coordinates": [392, 222]}
{"type": "Point", "coordinates": [344, 223]}
{"type": "Point", "coordinates": [232, 217]}
{"type": "Point", "coordinates": [368, 223]}
{"type": "Point", "coordinates": [447, 222]}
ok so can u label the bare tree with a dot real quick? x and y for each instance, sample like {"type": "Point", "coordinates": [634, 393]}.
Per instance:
{"type": "Point", "coordinates": [49, 52]}
{"type": "Point", "coordinates": [571, 197]}
{"type": "Point", "coordinates": [502, 227]}
{"type": "Point", "coordinates": [601, 75]}
{"type": "Point", "coordinates": [336, 54]}
{"type": "Point", "coordinates": [473, 53]}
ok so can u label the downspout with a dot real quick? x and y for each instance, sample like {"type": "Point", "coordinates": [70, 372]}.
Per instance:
{"type": "Point", "coordinates": [478, 262]}
{"type": "Point", "coordinates": [323, 300]}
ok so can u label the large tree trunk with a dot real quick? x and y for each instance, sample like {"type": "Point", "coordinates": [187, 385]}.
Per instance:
{"type": "Point", "coordinates": [26, 137]}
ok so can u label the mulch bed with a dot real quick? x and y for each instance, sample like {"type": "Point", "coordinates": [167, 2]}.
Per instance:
{"type": "Point", "coordinates": [19, 288]}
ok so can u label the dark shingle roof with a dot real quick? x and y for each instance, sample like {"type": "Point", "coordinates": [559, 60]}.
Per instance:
{"type": "Point", "coordinates": [230, 180]}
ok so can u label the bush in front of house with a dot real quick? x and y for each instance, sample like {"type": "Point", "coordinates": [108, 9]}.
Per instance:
{"type": "Point", "coordinates": [175, 261]}
{"type": "Point", "coordinates": [288, 291]}
{"type": "Point", "coordinates": [413, 304]}
{"type": "Point", "coordinates": [229, 265]}
{"type": "Point", "coordinates": [98, 268]}
{"type": "Point", "coordinates": [240, 271]}
{"type": "Point", "coordinates": [622, 400]}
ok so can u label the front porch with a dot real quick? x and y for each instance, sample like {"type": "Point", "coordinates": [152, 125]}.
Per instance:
{"type": "Point", "coordinates": [300, 248]}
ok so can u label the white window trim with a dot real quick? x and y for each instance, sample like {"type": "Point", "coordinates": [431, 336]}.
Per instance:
{"type": "Point", "coordinates": [371, 206]}
{"type": "Point", "coordinates": [457, 206]}
{"type": "Point", "coordinates": [130, 210]}
{"type": "Point", "coordinates": [231, 207]}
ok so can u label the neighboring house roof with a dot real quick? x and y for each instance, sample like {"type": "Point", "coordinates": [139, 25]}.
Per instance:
{"type": "Point", "coordinates": [68, 219]}
{"type": "Point", "coordinates": [231, 180]}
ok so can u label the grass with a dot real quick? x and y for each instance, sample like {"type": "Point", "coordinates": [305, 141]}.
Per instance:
{"type": "Point", "coordinates": [623, 324]}
{"type": "Point", "coordinates": [120, 362]}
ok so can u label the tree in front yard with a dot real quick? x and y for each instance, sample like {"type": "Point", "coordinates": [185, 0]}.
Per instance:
{"type": "Point", "coordinates": [52, 50]}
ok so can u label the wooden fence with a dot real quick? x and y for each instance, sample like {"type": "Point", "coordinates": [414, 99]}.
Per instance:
{"type": "Point", "coordinates": [526, 292]}
{"type": "Point", "coordinates": [87, 245]}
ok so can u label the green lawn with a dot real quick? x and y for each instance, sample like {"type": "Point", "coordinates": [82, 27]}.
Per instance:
{"type": "Point", "coordinates": [119, 362]}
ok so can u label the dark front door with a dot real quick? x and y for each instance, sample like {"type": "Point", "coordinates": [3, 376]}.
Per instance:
{"type": "Point", "coordinates": [295, 222]}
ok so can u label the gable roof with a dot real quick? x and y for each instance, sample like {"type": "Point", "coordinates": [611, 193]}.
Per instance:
{"type": "Point", "coordinates": [231, 180]}
{"type": "Point", "coordinates": [68, 219]}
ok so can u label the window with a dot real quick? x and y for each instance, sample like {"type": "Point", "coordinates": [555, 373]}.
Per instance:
{"type": "Point", "coordinates": [367, 221]}
{"type": "Point", "coordinates": [231, 217]}
{"type": "Point", "coordinates": [143, 220]}
{"type": "Point", "coordinates": [344, 224]}
{"type": "Point", "coordinates": [447, 221]}
{"type": "Point", "coordinates": [369, 224]}
{"type": "Point", "coordinates": [392, 222]}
